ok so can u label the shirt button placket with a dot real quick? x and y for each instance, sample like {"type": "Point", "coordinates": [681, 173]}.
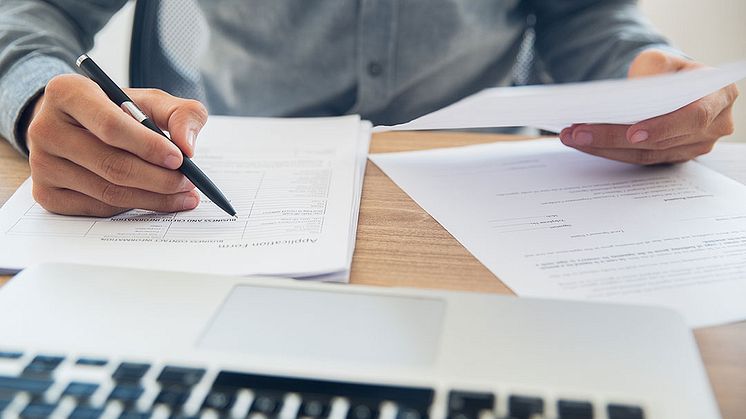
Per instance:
{"type": "Point", "coordinates": [377, 23]}
{"type": "Point", "coordinates": [375, 68]}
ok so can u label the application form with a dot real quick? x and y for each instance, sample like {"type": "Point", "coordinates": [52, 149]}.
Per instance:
{"type": "Point", "coordinates": [295, 184]}
{"type": "Point", "coordinates": [552, 222]}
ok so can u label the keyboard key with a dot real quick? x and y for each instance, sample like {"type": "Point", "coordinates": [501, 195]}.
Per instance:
{"type": "Point", "coordinates": [220, 399]}
{"type": "Point", "coordinates": [34, 386]}
{"type": "Point", "coordinates": [267, 403]}
{"type": "Point", "coordinates": [314, 407]}
{"type": "Point", "coordinates": [42, 366]}
{"type": "Point", "coordinates": [93, 362]}
{"type": "Point", "coordinates": [7, 395]}
{"type": "Point", "coordinates": [469, 404]}
{"type": "Point", "coordinates": [10, 354]}
{"type": "Point", "coordinates": [126, 393]}
{"type": "Point", "coordinates": [573, 409]}
{"type": "Point", "coordinates": [182, 376]}
{"type": "Point", "coordinates": [130, 372]}
{"type": "Point", "coordinates": [85, 412]}
{"type": "Point", "coordinates": [174, 397]}
{"type": "Point", "coordinates": [362, 410]}
{"type": "Point", "coordinates": [522, 407]}
{"type": "Point", "coordinates": [620, 411]}
{"type": "Point", "coordinates": [410, 413]}
{"type": "Point", "coordinates": [80, 390]}
{"type": "Point", "coordinates": [133, 414]}
{"type": "Point", "coordinates": [38, 411]}
{"type": "Point", "coordinates": [414, 397]}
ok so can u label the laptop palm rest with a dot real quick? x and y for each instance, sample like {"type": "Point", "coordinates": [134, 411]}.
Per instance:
{"type": "Point", "coordinates": [333, 326]}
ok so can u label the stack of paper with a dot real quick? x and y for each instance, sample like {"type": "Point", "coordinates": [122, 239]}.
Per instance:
{"type": "Point", "coordinates": [295, 183]}
{"type": "Point", "coordinates": [552, 222]}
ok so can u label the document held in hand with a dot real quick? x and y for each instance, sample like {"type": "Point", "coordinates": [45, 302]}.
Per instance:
{"type": "Point", "coordinates": [295, 183]}
{"type": "Point", "coordinates": [554, 107]}
{"type": "Point", "coordinates": [552, 222]}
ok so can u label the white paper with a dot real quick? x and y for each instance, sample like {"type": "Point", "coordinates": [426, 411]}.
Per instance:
{"type": "Point", "coordinates": [295, 184]}
{"type": "Point", "coordinates": [554, 107]}
{"type": "Point", "coordinates": [728, 158]}
{"type": "Point", "coordinates": [552, 222]}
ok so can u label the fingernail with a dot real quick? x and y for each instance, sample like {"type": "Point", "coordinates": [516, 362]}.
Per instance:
{"type": "Point", "coordinates": [186, 185]}
{"type": "Point", "coordinates": [638, 136]}
{"type": "Point", "coordinates": [191, 138]}
{"type": "Point", "coordinates": [583, 138]}
{"type": "Point", "coordinates": [190, 202]}
{"type": "Point", "coordinates": [172, 161]}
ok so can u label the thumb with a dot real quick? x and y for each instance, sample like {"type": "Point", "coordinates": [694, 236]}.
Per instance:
{"type": "Point", "coordinates": [184, 124]}
{"type": "Point", "coordinates": [183, 118]}
{"type": "Point", "coordinates": [652, 61]}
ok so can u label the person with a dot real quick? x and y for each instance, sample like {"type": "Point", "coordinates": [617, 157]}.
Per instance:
{"type": "Point", "coordinates": [388, 60]}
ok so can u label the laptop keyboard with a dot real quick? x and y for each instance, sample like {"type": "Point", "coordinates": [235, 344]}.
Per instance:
{"type": "Point", "coordinates": [44, 386]}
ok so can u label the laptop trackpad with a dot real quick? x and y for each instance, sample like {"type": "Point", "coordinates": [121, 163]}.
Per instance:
{"type": "Point", "coordinates": [319, 325]}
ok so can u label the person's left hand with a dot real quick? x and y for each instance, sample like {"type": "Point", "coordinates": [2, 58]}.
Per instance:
{"type": "Point", "coordinates": [675, 137]}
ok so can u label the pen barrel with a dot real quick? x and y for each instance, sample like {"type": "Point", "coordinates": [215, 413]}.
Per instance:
{"type": "Point", "coordinates": [196, 175]}
{"type": "Point", "coordinates": [98, 75]}
{"type": "Point", "coordinates": [206, 185]}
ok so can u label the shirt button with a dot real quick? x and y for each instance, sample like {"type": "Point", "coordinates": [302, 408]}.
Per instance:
{"type": "Point", "coordinates": [375, 69]}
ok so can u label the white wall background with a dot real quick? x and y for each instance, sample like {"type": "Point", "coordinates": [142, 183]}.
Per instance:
{"type": "Point", "coordinates": [711, 31]}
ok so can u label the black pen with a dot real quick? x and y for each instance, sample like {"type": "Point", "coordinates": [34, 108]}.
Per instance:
{"type": "Point", "coordinates": [188, 168]}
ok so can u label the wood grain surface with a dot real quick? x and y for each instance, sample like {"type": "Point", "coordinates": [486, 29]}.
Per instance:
{"type": "Point", "coordinates": [399, 244]}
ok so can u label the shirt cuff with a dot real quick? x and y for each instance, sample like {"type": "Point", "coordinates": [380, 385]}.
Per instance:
{"type": "Point", "coordinates": [19, 86]}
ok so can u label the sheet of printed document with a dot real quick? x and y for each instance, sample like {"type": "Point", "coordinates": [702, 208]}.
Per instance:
{"type": "Point", "coordinates": [554, 107]}
{"type": "Point", "coordinates": [295, 183]}
{"type": "Point", "coordinates": [728, 158]}
{"type": "Point", "coordinates": [552, 222]}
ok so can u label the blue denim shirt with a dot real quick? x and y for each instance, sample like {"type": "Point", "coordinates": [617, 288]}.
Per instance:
{"type": "Point", "coordinates": [388, 60]}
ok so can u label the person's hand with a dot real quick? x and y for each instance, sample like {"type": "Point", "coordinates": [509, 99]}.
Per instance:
{"type": "Point", "coordinates": [675, 137]}
{"type": "Point", "coordinates": [89, 157]}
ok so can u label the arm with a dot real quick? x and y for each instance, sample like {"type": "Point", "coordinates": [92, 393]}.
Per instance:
{"type": "Point", "coordinates": [40, 40]}
{"type": "Point", "coordinates": [579, 40]}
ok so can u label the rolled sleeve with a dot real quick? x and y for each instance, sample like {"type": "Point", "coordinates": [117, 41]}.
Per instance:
{"type": "Point", "coordinates": [23, 82]}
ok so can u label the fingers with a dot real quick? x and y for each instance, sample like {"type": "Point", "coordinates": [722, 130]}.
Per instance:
{"type": "Point", "coordinates": [674, 150]}
{"type": "Point", "coordinates": [183, 118]}
{"type": "Point", "coordinates": [709, 117]}
{"type": "Point", "coordinates": [87, 105]}
{"type": "Point", "coordinates": [69, 176]}
{"type": "Point", "coordinates": [641, 156]}
{"type": "Point", "coordinates": [697, 117]}
{"type": "Point", "coordinates": [69, 202]}
{"type": "Point", "coordinates": [114, 165]}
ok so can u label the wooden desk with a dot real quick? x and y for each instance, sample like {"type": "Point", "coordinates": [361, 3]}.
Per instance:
{"type": "Point", "coordinates": [399, 244]}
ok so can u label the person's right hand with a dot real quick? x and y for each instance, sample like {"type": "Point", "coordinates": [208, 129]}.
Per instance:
{"type": "Point", "coordinates": [89, 157]}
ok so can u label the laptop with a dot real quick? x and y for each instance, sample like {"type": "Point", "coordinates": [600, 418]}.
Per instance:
{"type": "Point", "coordinates": [87, 342]}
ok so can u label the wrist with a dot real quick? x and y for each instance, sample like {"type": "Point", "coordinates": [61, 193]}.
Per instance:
{"type": "Point", "coordinates": [27, 115]}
